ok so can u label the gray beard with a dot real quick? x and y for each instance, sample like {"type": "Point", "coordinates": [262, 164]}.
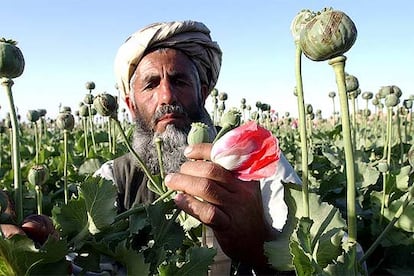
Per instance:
{"type": "Point", "coordinates": [174, 141]}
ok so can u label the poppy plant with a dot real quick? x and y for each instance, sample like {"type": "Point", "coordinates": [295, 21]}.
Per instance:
{"type": "Point", "coordinates": [250, 151]}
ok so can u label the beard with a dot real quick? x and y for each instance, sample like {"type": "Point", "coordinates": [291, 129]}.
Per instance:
{"type": "Point", "coordinates": [174, 139]}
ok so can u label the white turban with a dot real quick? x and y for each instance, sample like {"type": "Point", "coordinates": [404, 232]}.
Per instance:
{"type": "Point", "coordinates": [190, 37]}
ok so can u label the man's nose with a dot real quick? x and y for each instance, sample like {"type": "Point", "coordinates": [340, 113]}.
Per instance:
{"type": "Point", "coordinates": [167, 94]}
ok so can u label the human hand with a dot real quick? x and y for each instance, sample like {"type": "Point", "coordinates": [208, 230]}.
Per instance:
{"type": "Point", "coordinates": [36, 227]}
{"type": "Point", "coordinates": [231, 207]}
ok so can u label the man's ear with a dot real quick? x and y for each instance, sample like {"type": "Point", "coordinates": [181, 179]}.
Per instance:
{"type": "Point", "coordinates": [131, 106]}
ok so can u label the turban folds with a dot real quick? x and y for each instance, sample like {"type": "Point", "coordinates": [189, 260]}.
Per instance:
{"type": "Point", "coordinates": [190, 37]}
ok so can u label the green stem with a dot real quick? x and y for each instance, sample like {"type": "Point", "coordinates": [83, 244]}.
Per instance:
{"type": "Point", "coordinates": [65, 166]}
{"type": "Point", "coordinates": [85, 135]}
{"type": "Point", "coordinates": [129, 212]}
{"type": "Point", "coordinates": [39, 199]}
{"type": "Point", "coordinates": [140, 162]}
{"type": "Point", "coordinates": [7, 84]}
{"type": "Point", "coordinates": [354, 122]}
{"type": "Point", "coordinates": [1, 149]}
{"type": "Point", "coordinates": [36, 142]}
{"type": "Point", "coordinates": [110, 136]}
{"type": "Point", "coordinates": [158, 146]}
{"type": "Point", "coordinates": [390, 225]}
{"type": "Point", "coordinates": [302, 130]}
{"type": "Point", "coordinates": [91, 128]}
{"type": "Point", "coordinates": [338, 64]}
{"type": "Point", "coordinates": [399, 135]}
{"type": "Point", "coordinates": [141, 208]}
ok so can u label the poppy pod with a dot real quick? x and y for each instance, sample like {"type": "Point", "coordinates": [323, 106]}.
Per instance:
{"type": "Point", "coordinates": [329, 34]}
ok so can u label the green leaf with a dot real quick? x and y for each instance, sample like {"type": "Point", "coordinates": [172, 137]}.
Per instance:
{"type": "Point", "coordinates": [197, 262]}
{"type": "Point", "coordinates": [134, 261]}
{"type": "Point", "coordinates": [167, 233]}
{"type": "Point", "coordinates": [99, 195]}
{"type": "Point", "coordinates": [18, 255]}
{"type": "Point", "coordinates": [90, 166]}
{"type": "Point", "coordinates": [72, 218]}
{"type": "Point", "coordinates": [403, 177]}
{"type": "Point", "coordinates": [367, 175]}
{"type": "Point", "coordinates": [325, 218]}
{"type": "Point", "coordinates": [303, 234]}
{"type": "Point", "coordinates": [301, 260]}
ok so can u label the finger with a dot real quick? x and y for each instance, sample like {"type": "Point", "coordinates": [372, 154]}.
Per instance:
{"type": "Point", "coordinates": [207, 213]}
{"type": "Point", "coordinates": [210, 170]}
{"type": "Point", "coordinates": [198, 151]}
{"type": "Point", "coordinates": [9, 230]}
{"type": "Point", "coordinates": [203, 188]}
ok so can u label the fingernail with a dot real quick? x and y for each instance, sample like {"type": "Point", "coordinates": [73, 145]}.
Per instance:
{"type": "Point", "coordinates": [167, 179]}
{"type": "Point", "coordinates": [188, 150]}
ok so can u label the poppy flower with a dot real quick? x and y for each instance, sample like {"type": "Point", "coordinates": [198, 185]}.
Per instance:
{"type": "Point", "coordinates": [250, 151]}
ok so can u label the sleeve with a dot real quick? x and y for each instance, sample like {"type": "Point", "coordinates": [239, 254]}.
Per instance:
{"type": "Point", "coordinates": [275, 208]}
{"type": "Point", "coordinates": [106, 171]}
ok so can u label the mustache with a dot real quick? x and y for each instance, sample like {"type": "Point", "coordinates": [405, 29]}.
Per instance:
{"type": "Point", "coordinates": [168, 109]}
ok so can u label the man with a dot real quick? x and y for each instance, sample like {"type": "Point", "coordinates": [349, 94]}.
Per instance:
{"type": "Point", "coordinates": [165, 72]}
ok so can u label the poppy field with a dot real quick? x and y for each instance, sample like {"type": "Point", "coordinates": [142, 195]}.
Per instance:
{"type": "Point", "coordinates": [353, 214]}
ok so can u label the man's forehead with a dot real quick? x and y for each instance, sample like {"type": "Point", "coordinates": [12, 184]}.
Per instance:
{"type": "Point", "coordinates": [174, 62]}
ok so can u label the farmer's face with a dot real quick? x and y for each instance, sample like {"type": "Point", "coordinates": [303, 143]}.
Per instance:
{"type": "Point", "coordinates": [166, 90]}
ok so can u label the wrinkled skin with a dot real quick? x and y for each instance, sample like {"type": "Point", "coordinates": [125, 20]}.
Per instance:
{"type": "Point", "coordinates": [231, 207]}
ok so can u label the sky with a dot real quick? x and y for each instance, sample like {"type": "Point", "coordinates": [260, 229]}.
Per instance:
{"type": "Point", "coordinates": [68, 43]}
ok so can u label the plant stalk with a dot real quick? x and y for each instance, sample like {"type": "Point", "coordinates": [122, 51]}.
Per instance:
{"type": "Point", "coordinates": [338, 64]}
{"type": "Point", "coordinates": [65, 166]}
{"type": "Point", "coordinates": [302, 130]}
{"type": "Point", "coordinates": [18, 189]}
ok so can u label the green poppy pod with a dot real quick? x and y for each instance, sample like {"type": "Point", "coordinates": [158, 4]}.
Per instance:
{"type": "Point", "coordinates": [367, 112]}
{"type": "Point", "coordinates": [391, 100]}
{"type": "Point", "coordinates": [90, 85]}
{"type": "Point", "coordinates": [105, 104]}
{"type": "Point", "coordinates": [38, 175]}
{"type": "Point", "coordinates": [65, 121]}
{"type": "Point", "coordinates": [65, 109]}
{"type": "Point", "coordinates": [408, 103]}
{"type": "Point", "coordinates": [198, 134]}
{"type": "Point", "coordinates": [231, 118]}
{"type": "Point", "coordinates": [367, 95]}
{"type": "Point", "coordinates": [42, 112]}
{"type": "Point", "coordinates": [32, 115]}
{"type": "Point", "coordinates": [222, 96]}
{"type": "Point", "coordinates": [403, 111]}
{"type": "Point", "coordinates": [375, 101]}
{"type": "Point", "coordinates": [88, 99]}
{"type": "Point", "coordinates": [332, 94]}
{"type": "Point", "coordinates": [329, 34]}
{"type": "Point", "coordinates": [351, 83]}
{"type": "Point", "coordinates": [11, 59]}
{"type": "Point", "coordinates": [396, 90]}
{"type": "Point", "coordinates": [382, 166]}
{"type": "Point", "coordinates": [83, 111]}
{"type": "Point", "coordinates": [243, 101]}
{"type": "Point", "coordinates": [214, 92]}
{"type": "Point", "coordinates": [309, 109]}
{"type": "Point", "coordinates": [299, 22]}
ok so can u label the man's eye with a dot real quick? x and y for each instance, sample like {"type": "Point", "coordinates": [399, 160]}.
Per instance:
{"type": "Point", "coordinates": [150, 86]}
{"type": "Point", "coordinates": [179, 82]}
